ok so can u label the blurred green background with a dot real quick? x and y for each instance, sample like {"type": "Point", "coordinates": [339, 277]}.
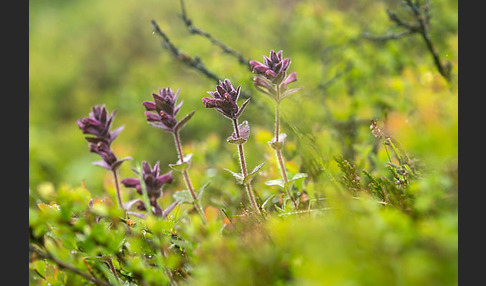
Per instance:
{"type": "Point", "coordinates": [85, 53]}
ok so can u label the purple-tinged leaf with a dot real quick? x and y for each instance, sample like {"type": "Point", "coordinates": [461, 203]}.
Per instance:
{"type": "Point", "coordinates": [183, 121]}
{"type": "Point", "coordinates": [166, 212]}
{"type": "Point", "coordinates": [240, 111]}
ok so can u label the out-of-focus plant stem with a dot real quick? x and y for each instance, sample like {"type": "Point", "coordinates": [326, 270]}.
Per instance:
{"type": "Point", "coordinates": [118, 193]}
{"type": "Point", "coordinates": [278, 151]}
{"type": "Point", "coordinates": [249, 190]}
{"type": "Point", "coordinates": [187, 179]}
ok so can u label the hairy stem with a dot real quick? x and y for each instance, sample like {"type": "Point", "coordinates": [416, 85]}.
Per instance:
{"type": "Point", "coordinates": [187, 179]}
{"type": "Point", "coordinates": [278, 151]}
{"type": "Point", "coordinates": [118, 193]}
{"type": "Point", "coordinates": [249, 190]}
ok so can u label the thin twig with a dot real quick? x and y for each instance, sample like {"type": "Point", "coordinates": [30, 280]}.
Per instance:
{"type": "Point", "coordinates": [194, 62]}
{"type": "Point", "coordinates": [421, 15]}
{"type": "Point", "coordinates": [394, 18]}
{"type": "Point", "coordinates": [387, 37]}
{"type": "Point", "coordinates": [195, 30]}
{"type": "Point", "coordinates": [424, 21]}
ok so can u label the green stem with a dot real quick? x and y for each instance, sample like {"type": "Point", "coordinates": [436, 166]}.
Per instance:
{"type": "Point", "coordinates": [187, 179]}
{"type": "Point", "coordinates": [249, 190]}
{"type": "Point", "coordinates": [395, 150]}
{"type": "Point", "coordinates": [145, 195]}
{"type": "Point", "coordinates": [386, 149]}
{"type": "Point", "coordinates": [113, 270]}
{"type": "Point", "coordinates": [278, 151]}
{"type": "Point", "coordinates": [118, 193]}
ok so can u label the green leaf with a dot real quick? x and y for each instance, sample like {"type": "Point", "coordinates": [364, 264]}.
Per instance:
{"type": "Point", "coordinates": [237, 141]}
{"type": "Point", "coordinates": [277, 182]}
{"type": "Point", "coordinates": [244, 132]}
{"type": "Point", "coordinates": [279, 209]}
{"type": "Point", "coordinates": [277, 145]}
{"type": "Point", "coordinates": [281, 183]}
{"type": "Point", "coordinates": [183, 196]}
{"type": "Point", "coordinates": [299, 176]}
{"type": "Point", "coordinates": [40, 266]}
{"type": "Point", "coordinates": [201, 190]}
{"type": "Point", "coordinates": [182, 166]}
{"type": "Point", "coordinates": [289, 92]}
{"type": "Point", "coordinates": [267, 200]}
{"type": "Point", "coordinates": [250, 176]}
{"type": "Point", "coordinates": [238, 176]}
{"type": "Point", "coordinates": [294, 179]}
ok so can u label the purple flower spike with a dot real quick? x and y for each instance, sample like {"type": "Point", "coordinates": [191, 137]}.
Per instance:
{"type": "Point", "coordinates": [272, 76]}
{"type": "Point", "coordinates": [132, 183]}
{"type": "Point", "coordinates": [162, 112]}
{"type": "Point", "coordinates": [224, 100]}
{"type": "Point", "coordinates": [110, 162]}
{"type": "Point", "coordinates": [153, 184]}
{"type": "Point", "coordinates": [274, 67]}
{"type": "Point", "coordinates": [98, 123]}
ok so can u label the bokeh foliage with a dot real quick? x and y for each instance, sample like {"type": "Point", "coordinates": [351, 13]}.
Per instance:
{"type": "Point", "coordinates": [85, 53]}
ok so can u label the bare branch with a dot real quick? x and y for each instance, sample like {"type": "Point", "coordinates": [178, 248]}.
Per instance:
{"type": "Point", "coordinates": [394, 18]}
{"type": "Point", "coordinates": [424, 22]}
{"type": "Point", "coordinates": [421, 15]}
{"type": "Point", "coordinates": [387, 37]}
{"type": "Point", "coordinates": [194, 62]}
{"type": "Point", "coordinates": [195, 30]}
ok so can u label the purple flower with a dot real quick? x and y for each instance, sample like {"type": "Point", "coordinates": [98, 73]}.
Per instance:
{"type": "Point", "coordinates": [98, 124]}
{"type": "Point", "coordinates": [224, 100]}
{"type": "Point", "coordinates": [110, 161]}
{"type": "Point", "coordinates": [153, 183]}
{"type": "Point", "coordinates": [165, 108]}
{"type": "Point", "coordinates": [272, 76]}
{"type": "Point", "coordinates": [274, 67]}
